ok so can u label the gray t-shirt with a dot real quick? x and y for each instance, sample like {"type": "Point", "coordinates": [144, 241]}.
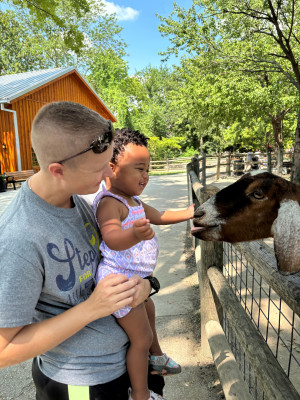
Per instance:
{"type": "Point", "coordinates": [48, 261]}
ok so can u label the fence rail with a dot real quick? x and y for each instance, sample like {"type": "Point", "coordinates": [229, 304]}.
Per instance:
{"type": "Point", "coordinates": [257, 309]}
{"type": "Point", "coordinates": [224, 164]}
{"type": "Point", "coordinates": [237, 164]}
{"type": "Point", "coordinates": [169, 164]}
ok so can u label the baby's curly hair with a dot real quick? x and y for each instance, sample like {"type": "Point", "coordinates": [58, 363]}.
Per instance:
{"type": "Point", "coordinates": [125, 136]}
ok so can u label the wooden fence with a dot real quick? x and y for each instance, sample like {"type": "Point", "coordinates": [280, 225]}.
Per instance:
{"type": "Point", "coordinates": [249, 313]}
{"type": "Point", "coordinates": [223, 164]}
{"type": "Point", "coordinates": [236, 164]}
{"type": "Point", "coordinates": [169, 164]}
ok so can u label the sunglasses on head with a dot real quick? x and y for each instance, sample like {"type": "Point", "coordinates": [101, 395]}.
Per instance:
{"type": "Point", "coordinates": [99, 145]}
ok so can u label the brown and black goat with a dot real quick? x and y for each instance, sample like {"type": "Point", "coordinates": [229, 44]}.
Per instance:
{"type": "Point", "coordinates": [252, 208]}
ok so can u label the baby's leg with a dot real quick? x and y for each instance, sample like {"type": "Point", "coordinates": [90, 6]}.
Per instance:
{"type": "Point", "coordinates": [155, 349]}
{"type": "Point", "coordinates": [160, 363]}
{"type": "Point", "coordinates": [138, 329]}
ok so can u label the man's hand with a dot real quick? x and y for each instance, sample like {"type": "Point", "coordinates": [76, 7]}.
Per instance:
{"type": "Point", "coordinates": [113, 292]}
{"type": "Point", "coordinates": [142, 229]}
{"type": "Point", "coordinates": [143, 289]}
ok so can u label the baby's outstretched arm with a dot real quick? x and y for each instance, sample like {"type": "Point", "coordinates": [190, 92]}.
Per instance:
{"type": "Point", "coordinates": [109, 216]}
{"type": "Point", "coordinates": [168, 217]}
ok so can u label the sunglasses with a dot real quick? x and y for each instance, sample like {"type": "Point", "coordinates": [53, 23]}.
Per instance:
{"type": "Point", "coordinates": [99, 145]}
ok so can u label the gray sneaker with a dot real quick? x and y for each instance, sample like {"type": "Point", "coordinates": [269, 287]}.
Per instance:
{"type": "Point", "coordinates": [153, 396]}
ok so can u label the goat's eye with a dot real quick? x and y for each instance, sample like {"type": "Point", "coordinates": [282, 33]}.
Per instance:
{"type": "Point", "coordinates": [258, 195]}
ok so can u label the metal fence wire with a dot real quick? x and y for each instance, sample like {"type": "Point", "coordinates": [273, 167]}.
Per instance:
{"type": "Point", "coordinates": [276, 322]}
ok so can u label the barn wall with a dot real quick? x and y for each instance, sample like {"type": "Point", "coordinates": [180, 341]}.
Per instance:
{"type": "Point", "coordinates": [8, 157]}
{"type": "Point", "coordinates": [67, 88]}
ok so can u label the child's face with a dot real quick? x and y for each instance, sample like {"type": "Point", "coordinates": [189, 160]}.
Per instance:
{"type": "Point", "coordinates": [130, 173]}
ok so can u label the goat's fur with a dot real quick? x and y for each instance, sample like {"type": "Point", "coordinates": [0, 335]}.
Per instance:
{"type": "Point", "coordinates": [252, 208]}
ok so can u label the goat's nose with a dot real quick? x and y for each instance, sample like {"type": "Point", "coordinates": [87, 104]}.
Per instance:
{"type": "Point", "coordinates": [199, 213]}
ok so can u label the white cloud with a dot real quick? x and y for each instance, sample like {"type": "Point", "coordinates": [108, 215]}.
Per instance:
{"type": "Point", "coordinates": [122, 13]}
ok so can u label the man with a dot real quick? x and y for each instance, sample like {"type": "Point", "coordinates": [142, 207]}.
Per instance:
{"type": "Point", "coordinates": [50, 309]}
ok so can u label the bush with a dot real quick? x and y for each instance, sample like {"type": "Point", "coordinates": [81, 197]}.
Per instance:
{"type": "Point", "coordinates": [160, 149]}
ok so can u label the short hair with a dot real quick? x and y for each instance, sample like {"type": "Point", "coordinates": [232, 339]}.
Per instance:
{"type": "Point", "coordinates": [125, 136]}
{"type": "Point", "coordinates": [63, 128]}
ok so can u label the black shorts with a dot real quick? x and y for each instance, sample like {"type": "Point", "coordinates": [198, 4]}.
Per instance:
{"type": "Point", "coordinates": [48, 389]}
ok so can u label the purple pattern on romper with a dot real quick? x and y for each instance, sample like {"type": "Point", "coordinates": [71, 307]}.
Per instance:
{"type": "Point", "coordinates": [138, 260]}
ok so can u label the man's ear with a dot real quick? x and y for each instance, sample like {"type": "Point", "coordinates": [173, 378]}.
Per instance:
{"type": "Point", "coordinates": [57, 170]}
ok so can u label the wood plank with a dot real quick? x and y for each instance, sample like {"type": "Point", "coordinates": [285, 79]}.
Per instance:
{"type": "Point", "coordinates": [269, 373]}
{"type": "Point", "coordinates": [233, 384]}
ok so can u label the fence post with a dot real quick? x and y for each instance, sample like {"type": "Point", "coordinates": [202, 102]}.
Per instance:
{"type": "Point", "coordinates": [218, 166]}
{"type": "Point", "coordinates": [190, 191]}
{"type": "Point", "coordinates": [167, 162]}
{"type": "Point", "coordinates": [208, 254]}
{"type": "Point", "coordinates": [269, 158]}
{"type": "Point", "coordinates": [195, 164]}
{"type": "Point", "coordinates": [203, 170]}
{"type": "Point", "coordinates": [228, 169]}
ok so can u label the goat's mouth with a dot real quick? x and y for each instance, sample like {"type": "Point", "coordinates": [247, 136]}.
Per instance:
{"type": "Point", "coordinates": [196, 230]}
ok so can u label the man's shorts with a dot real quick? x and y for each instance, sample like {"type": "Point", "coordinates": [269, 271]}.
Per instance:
{"type": "Point", "coordinates": [48, 389]}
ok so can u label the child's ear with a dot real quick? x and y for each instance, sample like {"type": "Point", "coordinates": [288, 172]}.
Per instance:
{"type": "Point", "coordinates": [112, 166]}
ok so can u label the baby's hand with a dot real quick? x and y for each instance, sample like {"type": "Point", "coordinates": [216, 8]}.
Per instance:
{"type": "Point", "coordinates": [142, 229]}
{"type": "Point", "coordinates": [190, 211]}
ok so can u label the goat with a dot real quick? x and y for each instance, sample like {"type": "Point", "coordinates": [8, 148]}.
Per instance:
{"type": "Point", "coordinates": [252, 208]}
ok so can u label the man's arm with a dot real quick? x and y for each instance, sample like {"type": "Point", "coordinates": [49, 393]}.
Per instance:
{"type": "Point", "coordinates": [25, 342]}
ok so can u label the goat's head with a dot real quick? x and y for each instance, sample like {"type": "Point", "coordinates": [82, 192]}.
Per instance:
{"type": "Point", "coordinates": [252, 208]}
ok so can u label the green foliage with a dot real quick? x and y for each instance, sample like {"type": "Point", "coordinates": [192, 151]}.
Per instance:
{"type": "Point", "coordinates": [24, 48]}
{"type": "Point", "coordinates": [30, 43]}
{"type": "Point", "coordinates": [189, 152]}
{"type": "Point", "coordinates": [161, 149]}
{"type": "Point", "coordinates": [54, 11]}
{"type": "Point", "coordinates": [236, 69]}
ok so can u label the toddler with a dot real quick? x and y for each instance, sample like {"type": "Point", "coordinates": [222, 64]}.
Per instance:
{"type": "Point", "coordinates": [130, 247]}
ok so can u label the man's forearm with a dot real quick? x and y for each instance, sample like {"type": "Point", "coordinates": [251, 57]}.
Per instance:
{"type": "Point", "coordinates": [37, 338]}
{"type": "Point", "coordinates": [111, 294]}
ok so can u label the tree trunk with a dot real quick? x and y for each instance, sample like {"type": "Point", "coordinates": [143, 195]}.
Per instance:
{"type": "Point", "coordinates": [267, 144]}
{"type": "Point", "coordinates": [295, 174]}
{"type": "Point", "coordinates": [277, 124]}
{"type": "Point", "coordinates": [279, 159]}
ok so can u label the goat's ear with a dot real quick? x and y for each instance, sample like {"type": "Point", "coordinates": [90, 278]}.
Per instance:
{"type": "Point", "coordinates": [286, 232]}
{"type": "Point", "coordinates": [282, 184]}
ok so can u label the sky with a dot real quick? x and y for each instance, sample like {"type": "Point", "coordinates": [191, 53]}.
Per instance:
{"type": "Point", "coordinates": [140, 29]}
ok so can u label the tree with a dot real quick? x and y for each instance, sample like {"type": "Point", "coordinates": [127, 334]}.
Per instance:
{"type": "Point", "coordinates": [164, 148]}
{"type": "Point", "coordinates": [108, 74]}
{"type": "Point", "coordinates": [27, 45]}
{"type": "Point", "coordinates": [156, 84]}
{"type": "Point", "coordinates": [42, 11]}
{"type": "Point", "coordinates": [254, 37]}
{"type": "Point", "coordinates": [25, 48]}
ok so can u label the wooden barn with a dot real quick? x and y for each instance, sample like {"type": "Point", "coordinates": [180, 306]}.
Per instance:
{"type": "Point", "coordinates": [22, 95]}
